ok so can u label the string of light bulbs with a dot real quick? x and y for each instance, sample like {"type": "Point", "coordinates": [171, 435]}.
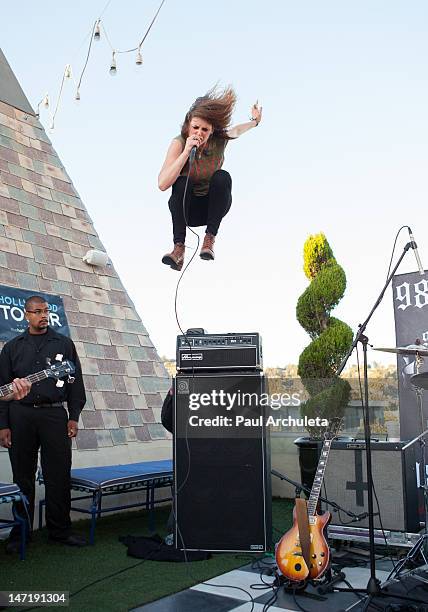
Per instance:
{"type": "Point", "coordinates": [45, 101]}
{"type": "Point", "coordinates": [139, 58]}
{"type": "Point", "coordinates": [95, 35]}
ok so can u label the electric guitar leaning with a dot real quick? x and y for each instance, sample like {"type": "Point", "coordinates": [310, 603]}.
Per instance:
{"type": "Point", "coordinates": [302, 553]}
{"type": "Point", "coordinates": [56, 371]}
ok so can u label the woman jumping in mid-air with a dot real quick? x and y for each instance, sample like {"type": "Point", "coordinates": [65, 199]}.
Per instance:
{"type": "Point", "coordinates": [209, 190]}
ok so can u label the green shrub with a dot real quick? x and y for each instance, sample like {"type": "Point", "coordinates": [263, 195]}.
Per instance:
{"type": "Point", "coordinates": [331, 338]}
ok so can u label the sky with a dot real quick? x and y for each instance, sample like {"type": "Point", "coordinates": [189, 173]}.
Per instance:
{"type": "Point", "coordinates": [342, 148]}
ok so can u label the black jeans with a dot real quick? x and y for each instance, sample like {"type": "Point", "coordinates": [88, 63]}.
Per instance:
{"type": "Point", "coordinates": [45, 428]}
{"type": "Point", "coordinates": [206, 210]}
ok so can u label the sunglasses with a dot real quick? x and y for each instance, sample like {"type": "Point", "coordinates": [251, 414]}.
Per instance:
{"type": "Point", "coordinates": [39, 312]}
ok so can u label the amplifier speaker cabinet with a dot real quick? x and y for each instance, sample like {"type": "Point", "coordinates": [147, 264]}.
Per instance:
{"type": "Point", "coordinates": [221, 472]}
{"type": "Point", "coordinates": [395, 481]}
{"type": "Point", "coordinates": [211, 352]}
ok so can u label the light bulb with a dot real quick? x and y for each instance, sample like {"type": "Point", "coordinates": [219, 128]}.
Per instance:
{"type": "Point", "coordinates": [77, 96]}
{"type": "Point", "coordinates": [67, 71]}
{"type": "Point", "coordinates": [139, 58]}
{"type": "Point", "coordinates": [113, 67]}
{"type": "Point", "coordinates": [97, 33]}
{"type": "Point", "coordinates": [46, 101]}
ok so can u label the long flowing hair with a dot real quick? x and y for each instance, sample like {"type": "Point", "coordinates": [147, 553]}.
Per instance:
{"type": "Point", "coordinates": [215, 107]}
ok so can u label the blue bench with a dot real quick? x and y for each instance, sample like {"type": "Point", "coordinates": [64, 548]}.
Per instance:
{"type": "Point", "coordinates": [100, 482]}
{"type": "Point", "coordinates": [10, 493]}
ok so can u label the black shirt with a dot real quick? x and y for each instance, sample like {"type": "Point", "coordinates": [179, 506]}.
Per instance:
{"type": "Point", "coordinates": [26, 354]}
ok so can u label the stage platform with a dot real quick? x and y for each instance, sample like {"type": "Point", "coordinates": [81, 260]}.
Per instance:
{"type": "Point", "coordinates": [232, 592]}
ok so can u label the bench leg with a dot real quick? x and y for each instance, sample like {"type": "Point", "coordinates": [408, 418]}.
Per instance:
{"type": "Point", "coordinates": [152, 523]}
{"type": "Point", "coordinates": [23, 526]}
{"type": "Point", "coordinates": [42, 503]}
{"type": "Point", "coordinates": [96, 504]}
{"type": "Point", "coordinates": [99, 506]}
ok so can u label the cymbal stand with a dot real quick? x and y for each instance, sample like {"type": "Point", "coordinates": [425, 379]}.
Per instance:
{"type": "Point", "coordinates": [418, 362]}
{"type": "Point", "coordinates": [419, 391]}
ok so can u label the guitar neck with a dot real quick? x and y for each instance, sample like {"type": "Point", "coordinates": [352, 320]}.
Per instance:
{"type": "Point", "coordinates": [319, 477]}
{"type": "Point", "coordinates": [8, 389]}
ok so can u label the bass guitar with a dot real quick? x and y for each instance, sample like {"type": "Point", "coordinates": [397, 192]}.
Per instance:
{"type": "Point", "coordinates": [56, 370]}
{"type": "Point", "coordinates": [302, 553]}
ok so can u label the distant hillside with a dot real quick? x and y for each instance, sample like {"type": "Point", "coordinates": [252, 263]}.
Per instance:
{"type": "Point", "coordinates": [375, 370]}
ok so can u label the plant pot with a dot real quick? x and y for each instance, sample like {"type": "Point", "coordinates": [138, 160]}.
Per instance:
{"type": "Point", "coordinates": [309, 452]}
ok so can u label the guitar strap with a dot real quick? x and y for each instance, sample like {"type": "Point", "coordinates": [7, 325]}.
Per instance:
{"type": "Point", "coordinates": [303, 525]}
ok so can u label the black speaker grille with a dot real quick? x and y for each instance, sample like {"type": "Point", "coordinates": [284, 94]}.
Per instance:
{"type": "Point", "coordinates": [223, 498]}
{"type": "Point", "coordinates": [394, 478]}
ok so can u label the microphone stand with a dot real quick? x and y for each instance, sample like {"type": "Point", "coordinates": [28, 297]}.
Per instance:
{"type": "Point", "coordinates": [373, 586]}
{"type": "Point", "coordinates": [301, 487]}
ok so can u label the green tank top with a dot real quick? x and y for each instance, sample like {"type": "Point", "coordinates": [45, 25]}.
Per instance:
{"type": "Point", "coordinates": [205, 164]}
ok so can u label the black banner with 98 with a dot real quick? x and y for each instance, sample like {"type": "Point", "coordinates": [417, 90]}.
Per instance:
{"type": "Point", "coordinates": [410, 294]}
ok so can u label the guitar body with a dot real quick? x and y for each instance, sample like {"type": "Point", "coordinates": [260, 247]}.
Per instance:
{"type": "Point", "coordinates": [305, 558]}
{"type": "Point", "coordinates": [289, 556]}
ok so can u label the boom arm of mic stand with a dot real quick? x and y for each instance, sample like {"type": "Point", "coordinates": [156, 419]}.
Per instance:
{"type": "Point", "coordinates": [302, 487]}
{"type": "Point", "coordinates": [362, 326]}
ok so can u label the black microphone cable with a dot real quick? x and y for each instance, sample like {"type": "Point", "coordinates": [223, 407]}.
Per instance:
{"type": "Point", "coordinates": [180, 535]}
{"type": "Point", "coordinates": [178, 531]}
{"type": "Point", "coordinates": [393, 248]}
{"type": "Point", "coordinates": [183, 333]}
{"type": "Point", "coordinates": [191, 161]}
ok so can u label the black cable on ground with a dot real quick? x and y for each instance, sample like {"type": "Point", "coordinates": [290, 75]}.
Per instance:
{"type": "Point", "coordinates": [270, 602]}
{"type": "Point", "coordinates": [98, 580]}
{"type": "Point", "coordinates": [296, 602]}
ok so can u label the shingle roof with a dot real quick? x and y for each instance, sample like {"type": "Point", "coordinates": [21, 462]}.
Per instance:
{"type": "Point", "coordinates": [44, 232]}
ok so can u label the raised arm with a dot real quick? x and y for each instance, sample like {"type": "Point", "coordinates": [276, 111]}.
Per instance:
{"type": "Point", "coordinates": [241, 128]}
{"type": "Point", "coordinates": [174, 161]}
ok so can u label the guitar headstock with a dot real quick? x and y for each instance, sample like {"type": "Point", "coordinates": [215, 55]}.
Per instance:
{"type": "Point", "coordinates": [336, 425]}
{"type": "Point", "coordinates": [60, 369]}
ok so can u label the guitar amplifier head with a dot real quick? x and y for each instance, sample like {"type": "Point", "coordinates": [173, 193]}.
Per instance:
{"type": "Point", "coordinates": [211, 352]}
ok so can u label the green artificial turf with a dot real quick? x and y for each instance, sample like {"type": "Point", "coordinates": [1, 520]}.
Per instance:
{"type": "Point", "coordinates": [57, 567]}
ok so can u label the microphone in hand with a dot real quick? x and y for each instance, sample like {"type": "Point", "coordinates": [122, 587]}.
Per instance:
{"type": "Point", "coordinates": [193, 154]}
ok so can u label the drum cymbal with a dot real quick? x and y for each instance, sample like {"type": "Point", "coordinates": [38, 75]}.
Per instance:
{"type": "Point", "coordinates": [420, 380]}
{"type": "Point", "coordinates": [412, 349]}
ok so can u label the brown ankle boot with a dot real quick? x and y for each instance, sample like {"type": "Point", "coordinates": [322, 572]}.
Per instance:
{"type": "Point", "coordinates": [175, 259]}
{"type": "Point", "coordinates": [207, 250]}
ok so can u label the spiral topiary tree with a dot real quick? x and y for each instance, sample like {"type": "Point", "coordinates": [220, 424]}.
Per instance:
{"type": "Point", "coordinates": [331, 338]}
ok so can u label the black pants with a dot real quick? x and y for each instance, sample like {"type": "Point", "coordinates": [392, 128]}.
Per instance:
{"type": "Point", "coordinates": [44, 428]}
{"type": "Point", "coordinates": [206, 210]}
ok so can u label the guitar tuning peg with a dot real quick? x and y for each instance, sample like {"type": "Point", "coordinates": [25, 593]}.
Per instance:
{"type": "Point", "coordinates": [48, 361]}
{"type": "Point", "coordinates": [59, 383]}
{"type": "Point", "coordinates": [70, 380]}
